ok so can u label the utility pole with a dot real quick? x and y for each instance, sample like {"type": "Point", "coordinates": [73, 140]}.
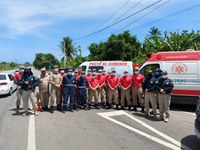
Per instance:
{"type": "Point", "coordinates": [64, 55]}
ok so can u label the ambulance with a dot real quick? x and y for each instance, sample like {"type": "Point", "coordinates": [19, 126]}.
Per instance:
{"type": "Point", "coordinates": [183, 68]}
{"type": "Point", "coordinates": [118, 66]}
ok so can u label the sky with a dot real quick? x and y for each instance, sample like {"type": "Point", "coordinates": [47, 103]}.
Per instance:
{"type": "Point", "coordinates": [38, 26]}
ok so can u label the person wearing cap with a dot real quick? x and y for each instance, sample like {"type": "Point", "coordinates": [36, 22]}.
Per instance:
{"type": "Point", "coordinates": [55, 81]}
{"type": "Point", "coordinates": [69, 82]}
{"type": "Point", "coordinates": [82, 84]}
{"type": "Point", "coordinates": [113, 83]}
{"type": "Point", "coordinates": [149, 87]}
{"type": "Point", "coordinates": [19, 91]}
{"type": "Point", "coordinates": [165, 87]}
{"type": "Point", "coordinates": [28, 83]}
{"type": "Point", "coordinates": [93, 86]}
{"type": "Point", "coordinates": [137, 80]}
{"type": "Point", "coordinates": [101, 92]}
{"type": "Point", "coordinates": [43, 85]}
{"type": "Point", "coordinates": [94, 71]}
{"type": "Point", "coordinates": [125, 84]}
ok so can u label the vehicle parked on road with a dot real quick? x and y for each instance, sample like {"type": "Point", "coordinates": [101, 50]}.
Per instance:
{"type": "Point", "coordinates": [183, 68]}
{"type": "Point", "coordinates": [7, 85]}
{"type": "Point", "coordinates": [118, 66]}
{"type": "Point", "coordinates": [197, 120]}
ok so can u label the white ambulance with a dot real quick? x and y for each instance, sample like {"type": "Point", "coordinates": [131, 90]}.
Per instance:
{"type": "Point", "coordinates": [183, 68]}
{"type": "Point", "coordinates": [118, 66]}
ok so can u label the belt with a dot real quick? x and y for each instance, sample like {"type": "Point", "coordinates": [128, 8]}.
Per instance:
{"type": "Point", "coordinates": [82, 87]}
{"type": "Point", "coordinates": [69, 84]}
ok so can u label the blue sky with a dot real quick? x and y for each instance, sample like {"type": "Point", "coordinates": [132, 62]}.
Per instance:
{"type": "Point", "coordinates": [38, 26]}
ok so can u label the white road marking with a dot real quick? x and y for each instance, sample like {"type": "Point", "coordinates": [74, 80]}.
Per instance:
{"type": "Point", "coordinates": [177, 145]}
{"type": "Point", "coordinates": [31, 133]}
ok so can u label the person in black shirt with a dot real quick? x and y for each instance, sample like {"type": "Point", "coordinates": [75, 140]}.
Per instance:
{"type": "Point", "coordinates": [165, 86]}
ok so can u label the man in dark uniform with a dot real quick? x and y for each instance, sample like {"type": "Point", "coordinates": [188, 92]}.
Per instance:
{"type": "Point", "coordinates": [157, 74]}
{"type": "Point", "coordinates": [69, 90]}
{"type": "Point", "coordinates": [28, 82]}
{"type": "Point", "coordinates": [82, 83]}
{"type": "Point", "coordinates": [165, 87]}
{"type": "Point", "coordinates": [149, 88]}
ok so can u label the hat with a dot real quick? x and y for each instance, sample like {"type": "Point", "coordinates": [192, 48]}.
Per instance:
{"type": "Point", "coordinates": [56, 66]}
{"type": "Point", "coordinates": [100, 70]}
{"type": "Point", "coordinates": [21, 67]}
{"type": "Point", "coordinates": [70, 70]}
{"type": "Point", "coordinates": [94, 70]}
{"type": "Point", "coordinates": [158, 70]}
{"type": "Point", "coordinates": [109, 72]}
{"type": "Point", "coordinates": [76, 71]}
{"type": "Point", "coordinates": [125, 71]}
{"type": "Point", "coordinates": [28, 68]}
{"type": "Point", "coordinates": [136, 68]}
{"type": "Point", "coordinates": [83, 72]}
{"type": "Point", "coordinates": [43, 69]}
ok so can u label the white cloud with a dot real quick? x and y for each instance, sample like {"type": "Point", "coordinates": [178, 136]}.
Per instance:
{"type": "Point", "coordinates": [29, 17]}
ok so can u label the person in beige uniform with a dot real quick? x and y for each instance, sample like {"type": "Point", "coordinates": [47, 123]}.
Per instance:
{"type": "Point", "coordinates": [44, 89]}
{"type": "Point", "coordinates": [56, 81]}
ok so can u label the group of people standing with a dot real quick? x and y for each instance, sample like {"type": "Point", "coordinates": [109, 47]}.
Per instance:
{"type": "Point", "coordinates": [98, 89]}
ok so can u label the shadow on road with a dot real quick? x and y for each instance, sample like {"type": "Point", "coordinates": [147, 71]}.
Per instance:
{"type": "Point", "coordinates": [181, 107]}
{"type": "Point", "coordinates": [3, 96]}
{"type": "Point", "coordinates": [191, 141]}
{"type": "Point", "coordinates": [16, 112]}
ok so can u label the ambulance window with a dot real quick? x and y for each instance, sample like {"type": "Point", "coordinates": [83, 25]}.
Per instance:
{"type": "Point", "coordinates": [146, 68]}
{"type": "Point", "coordinates": [83, 68]}
{"type": "Point", "coordinates": [96, 67]}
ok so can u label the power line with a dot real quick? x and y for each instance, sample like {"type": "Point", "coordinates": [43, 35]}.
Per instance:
{"type": "Point", "coordinates": [119, 20]}
{"type": "Point", "coordinates": [172, 15]}
{"type": "Point", "coordinates": [114, 13]}
{"type": "Point", "coordinates": [143, 16]}
{"type": "Point", "coordinates": [189, 25]}
{"type": "Point", "coordinates": [111, 15]}
{"type": "Point", "coordinates": [129, 10]}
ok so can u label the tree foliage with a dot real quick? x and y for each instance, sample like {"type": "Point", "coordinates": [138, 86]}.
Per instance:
{"type": "Point", "coordinates": [8, 66]}
{"type": "Point", "coordinates": [45, 60]}
{"type": "Point", "coordinates": [173, 41]}
{"type": "Point", "coordinates": [118, 47]}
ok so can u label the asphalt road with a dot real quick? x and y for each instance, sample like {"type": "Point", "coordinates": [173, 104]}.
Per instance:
{"type": "Point", "coordinates": [95, 129]}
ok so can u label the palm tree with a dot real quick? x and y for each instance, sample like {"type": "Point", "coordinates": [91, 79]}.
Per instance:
{"type": "Point", "coordinates": [154, 32]}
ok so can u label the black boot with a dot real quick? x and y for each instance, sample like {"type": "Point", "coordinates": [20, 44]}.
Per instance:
{"type": "Point", "coordinates": [58, 107]}
{"type": "Point", "coordinates": [89, 106]}
{"type": "Point", "coordinates": [97, 106]}
{"type": "Point", "coordinates": [51, 109]}
{"type": "Point", "coordinates": [122, 108]}
{"type": "Point", "coordinates": [108, 106]}
{"type": "Point", "coordinates": [46, 108]}
{"type": "Point", "coordinates": [135, 108]}
{"type": "Point", "coordinates": [142, 109]}
{"type": "Point", "coordinates": [117, 107]}
{"type": "Point", "coordinates": [129, 108]}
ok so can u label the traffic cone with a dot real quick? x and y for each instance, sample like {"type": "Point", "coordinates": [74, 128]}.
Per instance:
{"type": "Point", "coordinates": [38, 102]}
